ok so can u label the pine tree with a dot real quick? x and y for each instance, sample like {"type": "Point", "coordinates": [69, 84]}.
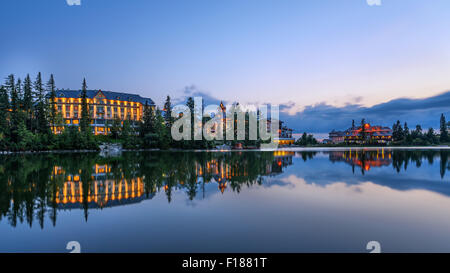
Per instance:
{"type": "Point", "coordinates": [191, 105]}
{"type": "Point", "coordinates": [407, 134]}
{"type": "Point", "coordinates": [4, 106]}
{"type": "Point", "coordinates": [51, 89]}
{"type": "Point", "coordinates": [10, 85]}
{"type": "Point", "coordinates": [41, 111]}
{"type": "Point", "coordinates": [85, 118]}
{"type": "Point", "coordinates": [397, 131]}
{"type": "Point", "coordinates": [27, 101]}
{"type": "Point", "coordinates": [162, 139]}
{"type": "Point", "coordinates": [19, 93]}
{"type": "Point", "coordinates": [115, 128]}
{"type": "Point", "coordinates": [444, 133]}
{"type": "Point", "coordinates": [304, 139]}
{"type": "Point", "coordinates": [14, 103]}
{"type": "Point", "coordinates": [406, 131]}
{"type": "Point", "coordinates": [419, 130]}
{"type": "Point", "coordinates": [147, 124]}
{"type": "Point", "coordinates": [431, 136]}
{"type": "Point", "coordinates": [168, 112]}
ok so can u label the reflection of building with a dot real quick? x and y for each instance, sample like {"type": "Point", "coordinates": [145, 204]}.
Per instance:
{"type": "Point", "coordinates": [362, 134]}
{"type": "Point", "coordinates": [101, 191]}
{"type": "Point", "coordinates": [282, 160]}
{"type": "Point", "coordinates": [363, 159]}
{"type": "Point", "coordinates": [284, 133]}
{"type": "Point", "coordinates": [104, 107]}
{"type": "Point", "coordinates": [223, 172]}
{"type": "Point", "coordinates": [337, 136]}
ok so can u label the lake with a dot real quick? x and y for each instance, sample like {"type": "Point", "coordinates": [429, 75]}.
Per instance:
{"type": "Point", "coordinates": [251, 201]}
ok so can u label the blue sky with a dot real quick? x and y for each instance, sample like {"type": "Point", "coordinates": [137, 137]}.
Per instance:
{"type": "Point", "coordinates": [301, 53]}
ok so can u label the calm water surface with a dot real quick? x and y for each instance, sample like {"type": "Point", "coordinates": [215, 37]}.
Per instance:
{"type": "Point", "coordinates": [284, 201]}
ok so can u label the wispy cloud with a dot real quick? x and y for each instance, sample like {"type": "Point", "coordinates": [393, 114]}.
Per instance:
{"type": "Point", "coordinates": [194, 91]}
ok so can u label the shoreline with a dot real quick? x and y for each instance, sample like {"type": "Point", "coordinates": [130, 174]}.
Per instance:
{"type": "Point", "coordinates": [291, 149]}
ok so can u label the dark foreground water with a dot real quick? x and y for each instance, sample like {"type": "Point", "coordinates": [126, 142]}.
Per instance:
{"type": "Point", "coordinates": [285, 201]}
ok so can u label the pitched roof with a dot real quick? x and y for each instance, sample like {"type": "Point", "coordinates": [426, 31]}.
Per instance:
{"type": "Point", "coordinates": [110, 95]}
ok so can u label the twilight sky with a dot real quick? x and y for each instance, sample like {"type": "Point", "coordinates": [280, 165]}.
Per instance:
{"type": "Point", "coordinates": [303, 54]}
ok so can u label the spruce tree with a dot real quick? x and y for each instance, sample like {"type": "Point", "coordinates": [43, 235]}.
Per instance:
{"type": "Point", "coordinates": [444, 133]}
{"type": "Point", "coordinates": [397, 131]}
{"type": "Point", "coordinates": [4, 106]}
{"type": "Point", "coordinates": [14, 105]}
{"type": "Point", "coordinates": [41, 111]}
{"type": "Point", "coordinates": [191, 105]}
{"type": "Point", "coordinates": [430, 136]}
{"type": "Point", "coordinates": [168, 112]}
{"type": "Point", "coordinates": [27, 101]}
{"type": "Point", "coordinates": [162, 139]}
{"type": "Point", "coordinates": [85, 119]}
{"type": "Point", "coordinates": [10, 85]}
{"type": "Point", "coordinates": [51, 89]}
{"type": "Point", "coordinates": [407, 133]}
{"type": "Point", "coordinates": [147, 125]}
{"type": "Point", "coordinates": [168, 121]}
{"type": "Point", "coordinates": [19, 93]}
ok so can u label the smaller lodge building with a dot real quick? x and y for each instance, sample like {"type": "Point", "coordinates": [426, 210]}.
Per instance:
{"type": "Point", "coordinates": [361, 135]}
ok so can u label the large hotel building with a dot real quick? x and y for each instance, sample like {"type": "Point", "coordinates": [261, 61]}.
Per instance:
{"type": "Point", "coordinates": [104, 107]}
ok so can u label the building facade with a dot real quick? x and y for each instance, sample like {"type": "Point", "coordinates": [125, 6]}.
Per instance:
{"type": "Point", "coordinates": [362, 134]}
{"type": "Point", "coordinates": [337, 136]}
{"type": "Point", "coordinates": [104, 107]}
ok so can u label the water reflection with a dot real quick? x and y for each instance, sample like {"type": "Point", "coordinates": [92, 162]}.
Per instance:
{"type": "Point", "coordinates": [33, 187]}
{"type": "Point", "coordinates": [399, 159]}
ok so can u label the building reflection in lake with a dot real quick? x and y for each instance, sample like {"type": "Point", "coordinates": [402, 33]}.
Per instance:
{"type": "Point", "coordinates": [105, 191]}
{"type": "Point", "coordinates": [33, 186]}
{"type": "Point", "coordinates": [363, 159]}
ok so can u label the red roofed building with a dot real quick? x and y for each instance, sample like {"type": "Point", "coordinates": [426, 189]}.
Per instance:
{"type": "Point", "coordinates": [362, 134]}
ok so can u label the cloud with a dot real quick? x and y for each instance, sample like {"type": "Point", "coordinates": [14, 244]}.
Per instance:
{"type": "Point", "coordinates": [193, 91]}
{"type": "Point", "coordinates": [322, 117]}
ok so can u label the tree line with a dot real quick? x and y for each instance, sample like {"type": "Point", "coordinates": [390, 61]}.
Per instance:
{"type": "Point", "coordinates": [36, 184]}
{"type": "Point", "coordinates": [29, 117]}
{"type": "Point", "coordinates": [402, 135]}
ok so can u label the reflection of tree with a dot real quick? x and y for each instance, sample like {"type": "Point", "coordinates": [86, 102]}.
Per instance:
{"type": "Point", "coordinates": [445, 165]}
{"type": "Point", "coordinates": [33, 187]}
{"type": "Point", "coordinates": [399, 159]}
